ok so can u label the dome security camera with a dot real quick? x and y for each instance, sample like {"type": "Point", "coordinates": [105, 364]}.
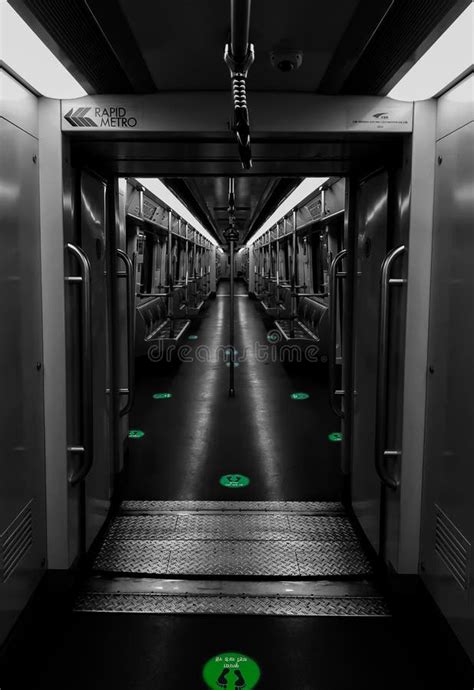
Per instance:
{"type": "Point", "coordinates": [286, 60]}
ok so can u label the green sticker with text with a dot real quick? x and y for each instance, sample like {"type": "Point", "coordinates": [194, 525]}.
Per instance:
{"type": "Point", "coordinates": [162, 396]}
{"type": "Point", "coordinates": [234, 481]}
{"type": "Point", "coordinates": [335, 436]}
{"type": "Point", "coordinates": [231, 671]}
{"type": "Point", "coordinates": [299, 396]}
{"type": "Point", "coordinates": [136, 433]}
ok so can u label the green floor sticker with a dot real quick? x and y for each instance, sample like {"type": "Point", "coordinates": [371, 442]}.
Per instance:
{"type": "Point", "coordinates": [136, 433]}
{"type": "Point", "coordinates": [299, 396]}
{"type": "Point", "coordinates": [234, 481]}
{"type": "Point", "coordinates": [335, 436]}
{"type": "Point", "coordinates": [232, 671]}
{"type": "Point", "coordinates": [192, 337]}
{"type": "Point", "coordinates": [162, 396]}
{"type": "Point", "coordinates": [236, 364]}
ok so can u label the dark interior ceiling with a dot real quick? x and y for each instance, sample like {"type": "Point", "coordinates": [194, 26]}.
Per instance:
{"type": "Point", "coordinates": [255, 200]}
{"type": "Point", "coordinates": [182, 42]}
{"type": "Point", "coordinates": [140, 46]}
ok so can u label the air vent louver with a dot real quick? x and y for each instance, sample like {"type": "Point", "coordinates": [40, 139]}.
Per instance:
{"type": "Point", "coordinates": [15, 542]}
{"type": "Point", "coordinates": [453, 549]}
{"type": "Point", "coordinates": [314, 208]}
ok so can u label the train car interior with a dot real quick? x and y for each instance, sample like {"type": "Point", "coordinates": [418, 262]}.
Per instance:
{"type": "Point", "coordinates": [237, 345]}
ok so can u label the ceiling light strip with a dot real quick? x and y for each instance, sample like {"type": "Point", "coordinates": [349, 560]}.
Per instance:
{"type": "Point", "coordinates": [164, 194]}
{"type": "Point", "coordinates": [24, 54]}
{"type": "Point", "coordinates": [450, 57]}
{"type": "Point", "coordinates": [302, 192]}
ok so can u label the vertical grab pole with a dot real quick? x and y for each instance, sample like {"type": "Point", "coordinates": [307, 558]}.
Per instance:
{"type": "Point", "coordinates": [293, 280]}
{"type": "Point", "coordinates": [186, 270]}
{"type": "Point", "coordinates": [170, 271]}
{"type": "Point", "coordinates": [277, 257]}
{"type": "Point", "coordinates": [231, 325]}
{"type": "Point", "coordinates": [232, 235]}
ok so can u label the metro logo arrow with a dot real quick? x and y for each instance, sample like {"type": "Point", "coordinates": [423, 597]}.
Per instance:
{"type": "Point", "coordinates": [79, 119]}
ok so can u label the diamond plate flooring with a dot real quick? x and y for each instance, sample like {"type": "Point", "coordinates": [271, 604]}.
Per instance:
{"type": "Point", "coordinates": [232, 526]}
{"type": "Point", "coordinates": [233, 558]}
{"type": "Point", "coordinates": [231, 597]}
{"type": "Point", "coordinates": [314, 507]}
{"type": "Point", "coordinates": [232, 544]}
{"type": "Point", "coordinates": [94, 602]}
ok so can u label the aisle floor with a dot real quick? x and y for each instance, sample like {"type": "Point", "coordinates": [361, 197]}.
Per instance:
{"type": "Point", "coordinates": [199, 434]}
{"type": "Point", "coordinates": [182, 543]}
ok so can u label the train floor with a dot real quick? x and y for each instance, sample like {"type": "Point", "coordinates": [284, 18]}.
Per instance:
{"type": "Point", "coordinates": [230, 561]}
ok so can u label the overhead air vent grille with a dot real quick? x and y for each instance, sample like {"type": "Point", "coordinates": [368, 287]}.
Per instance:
{"type": "Point", "coordinates": [404, 28]}
{"type": "Point", "coordinates": [453, 549]}
{"type": "Point", "coordinates": [15, 542]}
{"type": "Point", "coordinates": [314, 207]}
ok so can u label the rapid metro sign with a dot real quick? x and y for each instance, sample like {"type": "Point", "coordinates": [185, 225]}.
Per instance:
{"type": "Point", "coordinates": [271, 113]}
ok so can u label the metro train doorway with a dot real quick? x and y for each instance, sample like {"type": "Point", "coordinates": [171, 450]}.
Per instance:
{"type": "Point", "coordinates": [221, 539]}
{"type": "Point", "coordinates": [289, 432]}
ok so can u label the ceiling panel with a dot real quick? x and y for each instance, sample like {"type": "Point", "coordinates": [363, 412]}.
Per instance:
{"type": "Point", "coordinates": [183, 42]}
{"type": "Point", "coordinates": [212, 193]}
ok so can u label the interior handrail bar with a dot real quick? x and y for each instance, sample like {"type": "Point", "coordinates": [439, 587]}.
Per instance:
{"type": "Point", "coordinates": [130, 275]}
{"type": "Point", "coordinates": [333, 278]}
{"type": "Point", "coordinates": [87, 447]}
{"type": "Point", "coordinates": [382, 368]}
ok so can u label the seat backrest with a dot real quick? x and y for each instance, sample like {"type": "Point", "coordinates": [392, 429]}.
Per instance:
{"type": "Point", "coordinates": [315, 316]}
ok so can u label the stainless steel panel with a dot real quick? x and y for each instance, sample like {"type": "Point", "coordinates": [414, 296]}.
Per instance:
{"type": "Point", "coordinates": [372, 247]}
{"type": "Point", "coordinates": [121, 320]}
{"type": "Point", "coordinates": [456, 108]}
{"type": "Point", "coordinates": [17, 104]}
{"type": "Point", "coordinates": [93, 242]}
{"type": "Point", "coordinates": [22, 476]}
{"type": "Point", "coordinates": [415, 191]}
{"type": "Point", "coordinates": [448, 511]}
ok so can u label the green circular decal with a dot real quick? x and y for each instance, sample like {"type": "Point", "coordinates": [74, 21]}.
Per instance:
{"type": "Point", "coordinates": [136, 433]}
{"type": "Point", "coordinates": [162, 396]}
{"type": "Point", "coordinates": [299, 396]}
{"type": "Point", "coordinates": [234, 481]}
{"type": "Point", "coordinates": [335, 436]}
{"type": "Point", "coordinates": [192, 337]}
{"type": "Point", "coordinates": [231, 671]}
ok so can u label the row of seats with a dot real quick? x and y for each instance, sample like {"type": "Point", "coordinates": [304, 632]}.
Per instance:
{"type": "Point", "coordinates": [310, 327]}
{"type": "Point", "coordinates": [198, 293]}
{"type": "Point", "coordinates": [153, 324]}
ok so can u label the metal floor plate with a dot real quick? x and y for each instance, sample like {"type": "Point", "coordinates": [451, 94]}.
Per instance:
{"type": "Point", "coordinates": [310, 507]}
{"type": "Point", "coordinates": [231, 605]}
{"type": "Point", "coordinates": [233, 526]}
{"type": "Point", "coordinates": [233, 558]}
